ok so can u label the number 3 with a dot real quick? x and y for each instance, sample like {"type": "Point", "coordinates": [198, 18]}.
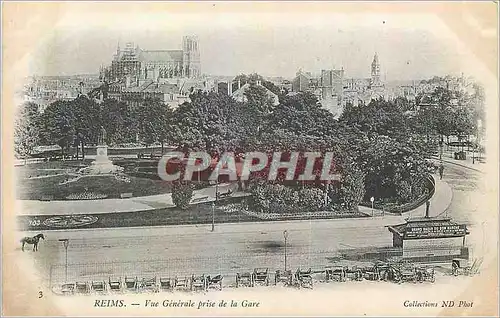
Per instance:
{"type": "Point", "coordinates": [40, 294]}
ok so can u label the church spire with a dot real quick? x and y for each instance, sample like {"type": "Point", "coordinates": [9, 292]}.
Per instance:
{"type": "Point", "coordinates": [375, 72]}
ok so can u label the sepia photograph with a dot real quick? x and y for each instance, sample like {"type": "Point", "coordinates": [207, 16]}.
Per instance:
{"type": "Point", "coordinates": [250, 158]}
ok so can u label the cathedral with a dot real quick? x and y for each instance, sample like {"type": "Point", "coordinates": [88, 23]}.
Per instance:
{"type": "Point", "coordinates": [141, 65]}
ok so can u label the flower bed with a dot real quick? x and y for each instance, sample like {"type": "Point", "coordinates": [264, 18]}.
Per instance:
{"type": "Point", "coordinates": [86, 196]}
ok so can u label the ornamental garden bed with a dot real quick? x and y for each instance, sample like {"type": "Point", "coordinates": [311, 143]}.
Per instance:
{"type": "Point", "coordinates": [229, 210]}
{"type": "Point", "coordinates": [41, 181]}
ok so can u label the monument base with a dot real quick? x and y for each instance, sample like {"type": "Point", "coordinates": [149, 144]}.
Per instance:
{"type": "Point", "coordinates": [102, 164]}
{"type": "Point", "coordinates": [102, 155]}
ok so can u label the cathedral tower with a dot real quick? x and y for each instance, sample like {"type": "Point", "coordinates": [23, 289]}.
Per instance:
{"type": "Point", "coordinates": [190, 57]}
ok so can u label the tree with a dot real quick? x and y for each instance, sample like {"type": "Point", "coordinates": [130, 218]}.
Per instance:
{"type": "Point", "coordinates": [182, 193]}
{"type": "Point", "coordinates": [152, 118]}
{"type": "Point", "coordinates": [87, 121]}
{"type": "Point", "coordinates": [257, 98]}
{"type": "Point", "coordinates": [58, 125]}
{"type": "Point", "coordinates": [26, 130]}
{"type": "Point", "coordinates": [379, 117]}
{"type": "Point", "coordinates": [348, 194]}
{"type": "Point", "coordinates": [117, 120]}
{"type": "Point", "coordinates": [211, 122]}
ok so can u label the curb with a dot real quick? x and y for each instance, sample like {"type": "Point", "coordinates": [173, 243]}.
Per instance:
{"type": "Point", "coordinates": [207, 225]}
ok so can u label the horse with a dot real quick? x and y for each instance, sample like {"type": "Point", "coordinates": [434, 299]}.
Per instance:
{"type": "Point", "coordinates": [32, 240]}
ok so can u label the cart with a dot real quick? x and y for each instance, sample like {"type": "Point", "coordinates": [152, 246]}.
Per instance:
{"type": "Point", "coordinates": [337, 274]}
{"type": "Point", "coordinates": [182, 283]}
{"type": "Point", "coordinates": [115, 285]}
{"type": "Point", "coordinates": [214, 282]}
{"type": "Point", "coordinates": [407, 273]}
{"type": "Point", "coordinates": [283, 277]}
{"type": "Point", "coordinates": [260, 276]}
{"type": "Point", "coordinates": [371, 273]}
{"type": "Point", "coordinates": [198, 283]}
{"type": "Point", "coordinates": [150, 285]}
{"type": "Point", "coordinates": [98, 286]}
{"type": "Point", "coordinates": [82, 288]}
{"type": "Point", "coordinates": [68, 289]}
{"type": "Point", "coordinates": [425, 274]}
{"type": "Point", "coordinates": [354, 273]}
{"type": "Point", "coordinates": [460, 266]}
{"type": "Point", "coordinates": [131, 283]}
{"type": "Point", "coordinates": [304, 278]}
{"type": "Point", "coordinates": [244, 280]}
{"type": "Point", "coordinates": [167, 284]}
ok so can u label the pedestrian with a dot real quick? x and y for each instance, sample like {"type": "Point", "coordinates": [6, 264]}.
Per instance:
{"type": "Point", "coordinates": [441, 169]}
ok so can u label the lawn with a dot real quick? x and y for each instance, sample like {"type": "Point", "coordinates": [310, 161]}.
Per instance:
{"type": "Point", "coordinates": [40, 181]}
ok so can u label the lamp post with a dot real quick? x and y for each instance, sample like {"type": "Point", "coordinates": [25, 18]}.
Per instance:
{"type": "Point", "coordinates": [65, 244]}
{"type": "Point", "coordinates": [216, 199]}
{"type": "Point", "coordinates": [213, 216]}
{"type": "Point", "coordinates": [285, 235]}
{"type": "Point", "coordinates": [372, 199]}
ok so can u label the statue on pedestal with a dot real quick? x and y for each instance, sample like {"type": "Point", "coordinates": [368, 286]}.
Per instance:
{"type": "Point", "coordinates": [101, 140]}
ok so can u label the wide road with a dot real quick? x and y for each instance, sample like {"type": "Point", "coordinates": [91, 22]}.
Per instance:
{"type": "Point", "coordinates": [184, 250]}
{"type": "Point", "coordinates": [474, 203]}
{"type": "Point", "coordinates": [231, 248]}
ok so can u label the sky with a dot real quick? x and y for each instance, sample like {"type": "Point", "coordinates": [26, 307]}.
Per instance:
{"type": "Point", "coordinates": [409, 46]}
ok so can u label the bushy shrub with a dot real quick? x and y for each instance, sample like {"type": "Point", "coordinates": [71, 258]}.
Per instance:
{"type": "Point", "coordinates": [404, 191]}
{"type": "Point", "coordinates": [277, 198]}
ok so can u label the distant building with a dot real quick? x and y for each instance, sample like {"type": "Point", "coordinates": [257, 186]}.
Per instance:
{"type": "Point", "coordinates": [239, 94]}
{"type": "Point", "coordinates": [168, 75]}
{"type": "Point", "coordinates": [145, 65]}
{"type": "Point", "coordinates": [375, 73]}
{"type": "Point", "coordinates": [334, 90]}
{"type": "Point", "coordinates": [304, 82]}
{"type": "Point", "coordinates": [44, 90]}
{"type": "Point", "coordinates": [172, 92]}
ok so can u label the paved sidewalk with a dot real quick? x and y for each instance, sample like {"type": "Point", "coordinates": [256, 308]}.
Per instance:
{"type": "Point", "coordinates": [467, 163]}
{"type": "Point", "coordinates": [439, 203]}
{"type": "Point", "coordinates": [35, 207]}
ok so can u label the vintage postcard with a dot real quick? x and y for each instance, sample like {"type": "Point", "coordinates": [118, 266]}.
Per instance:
{"type": "Point", "coordinates": [249, 159]}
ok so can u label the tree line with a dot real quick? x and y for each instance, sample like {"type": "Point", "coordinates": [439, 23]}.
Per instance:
{"type": "Point", "coordinates": [380, 149]}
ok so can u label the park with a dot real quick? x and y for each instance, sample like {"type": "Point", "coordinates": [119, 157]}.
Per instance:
{"type": "Point", "coordinates": [103, 178]}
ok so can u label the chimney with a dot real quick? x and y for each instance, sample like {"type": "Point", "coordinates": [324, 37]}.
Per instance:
{"type": "Point", "coordinates": [427, 206]}
{"type": "Point", "coordinates": [230, 88]}
{"type": "Point", "coordinates": [239, 84]}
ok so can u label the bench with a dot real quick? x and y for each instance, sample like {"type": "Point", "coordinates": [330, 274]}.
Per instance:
{"type": "Point", "coordinates": [199, 199]}
{"type": "Point", "coordinates": [126, 195]}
